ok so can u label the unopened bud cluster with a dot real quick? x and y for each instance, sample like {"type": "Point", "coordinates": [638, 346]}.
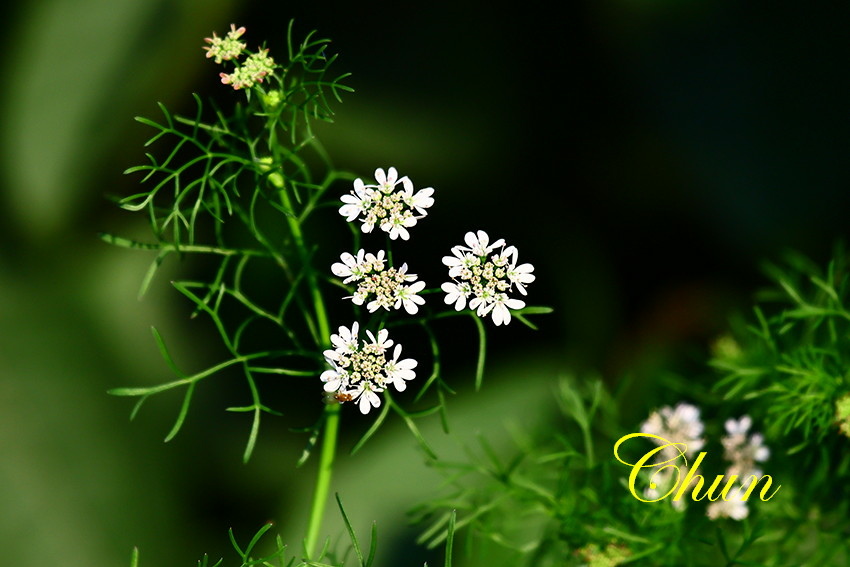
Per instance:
{"type": "Point", "coordinates": [252, 71]}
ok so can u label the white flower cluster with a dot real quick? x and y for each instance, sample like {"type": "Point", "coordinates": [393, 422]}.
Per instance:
{"type": "Point", "coordinates": [681, 424]}
{"type": "Point", "coordinates": [743, 452]}
{"type": "Point", "coordinates": [361, 370]}
{"type": "Point", "coordinates": [734, 507]}
{"type": "Point", "coordinates": [486, 278]}
{"type": "Point", "coordinates": [482, 273]}
{"type": "Point", "coordinates": [385, 287]}
{"type": "Point", "coordinates": [394, 211]}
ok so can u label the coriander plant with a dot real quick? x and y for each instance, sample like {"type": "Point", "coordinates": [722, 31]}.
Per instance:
{"type": "Point", "coordinates": [246, 184]}
{"type": "Point", "coordinates": [307, 279]}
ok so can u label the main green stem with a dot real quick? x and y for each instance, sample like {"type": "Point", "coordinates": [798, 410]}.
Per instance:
{"type": "Point", "coordinates": [332, 411]}
{"type": "Point", "coordinates": [323, 478]}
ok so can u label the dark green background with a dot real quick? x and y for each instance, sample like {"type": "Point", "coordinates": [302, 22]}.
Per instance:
{"type": "Point", "coordinates": [645, 156]}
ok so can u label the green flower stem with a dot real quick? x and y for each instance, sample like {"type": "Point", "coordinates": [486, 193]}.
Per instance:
{"type": "Point", "coordinates": [323, 478]}
{"type": "Point", "coordinates": [323, 338]}
{"type": "Point", "coordinates": [332, 411]}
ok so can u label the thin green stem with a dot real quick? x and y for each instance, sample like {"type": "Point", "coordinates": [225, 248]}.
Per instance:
{"type": "Point", "coordinates": [332, 411]}
{"type": "Point", "coordinates": [323, 477]}
{"type": "Point", "coordinates": [323, 338]}
{"type": "Point", "coordinates": [588, 445]}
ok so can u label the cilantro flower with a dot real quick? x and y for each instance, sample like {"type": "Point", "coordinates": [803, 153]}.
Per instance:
{"type": "Point", "coordinates": [681, 424]}
{"type": "Point", "coordinates": [225, 48]}
{"type": "Point", "coordinates": [734, 507]}
{"type": "Point", "coordinates": [483, 277]}
{"type": "Point", "coordinates": [743, 450]}
{"type": "Point", "coordinates": [662, 481]}
{"type": "Point", "coordinates": [379, 285]}
{"type": "Point", "coordinates": [394, 211]}
{"type": "Point", "coordinates": [359, 370]}
{"type": "Point", "coordinates": [354, 268]}
{"type": "Point", "coordinates": [251, 72]}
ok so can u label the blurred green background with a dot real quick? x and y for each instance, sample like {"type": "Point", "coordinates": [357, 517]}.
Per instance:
{"type": "Point", "coordinates": [645, 156]}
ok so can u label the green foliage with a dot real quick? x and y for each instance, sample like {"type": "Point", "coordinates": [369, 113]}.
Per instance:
{"type": "Point", "coordinates": [551, 499]}
{"type": "Point", "coordinates": [792, 359]}
{"type": "Point", "coordinates": [274, 554]}
{"type": "Point", "coordinates": [554, 500]}
{"type": "Point", "coordinates": [224, 189]}
{"type": "Point", "coordinates": [789, 364]}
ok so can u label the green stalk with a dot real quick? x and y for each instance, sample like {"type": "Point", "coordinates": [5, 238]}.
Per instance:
{"type": "Point", "coordinates": [323, 478]}
{"type": "Point", "coordinates": [323, 340]}
{"type": "Point", "coordinates": [332, 411]}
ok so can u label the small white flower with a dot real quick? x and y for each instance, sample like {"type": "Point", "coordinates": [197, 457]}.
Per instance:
{"type": "Point", "coordinates": [399, 371]}
{"type": "Point", "coordinates": [407, 297]}
{"type": "Point", "coordinates": [387, 182]}
{"type": "Point", "coordinates": [484, 278]}
{"type": "Point", "coordinates": [393, 210]}
{"type": "Point", "coordinates": [359, 370]}
{"type": "Point", "coordinates": [460, 261]}
{"type": "Point", "coordinates": [346, 341]}
{"type": "Point", "coordinates": [457, 294]}
{"type": "Point", "coordinates": [739, 427]}
{"type": "Point", "coordinates": [365, 397]}
{"type": "Point", "coordinates": [479, 243]}
{"type": "Point", "coordinates": [357, 203]}
{"type": "Point", "coordinates": [383, 342]}
{"type": "Point", "coordinates": [351, 267]}
{"type": "Point", "coordinates": [501, 307]}
{"type": "Point", "coordinates": [481, 302]}
{"type": "Point", "coordinates": [397, 225]}
{"type": "Point", "coordinates": [734, 507]}
{"type": "Point", "coordinates": [332, 378]}
{"type": "Point", "coordinates": [661, 482]}
{"type": "Point", "coordinates": [419, 201]}
{"type": "Point", "coordinates": [519, 275]}
{"type": "Point", "coordinates": [742, 451]}
{"type": "Point", "coordinates": [681, 424]}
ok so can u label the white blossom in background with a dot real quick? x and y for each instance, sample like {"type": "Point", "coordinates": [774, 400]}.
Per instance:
{"type": "Point", "coordinates": [681, 424]}
{"type": "Point", "coordinates": [482, 277]}
{"type": "Point", "coordinates": [379, 286]}
{"type": "Point", "coordinates": [733, 507]}
{"type": "Point", "coordinates": [360, 370]}
{"type": "Point", "coordinates": [663, 480]}
{"type": "Point", "coordinates": [743, 451]}
{"type": "Point", "coordinates": [384, 204]}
